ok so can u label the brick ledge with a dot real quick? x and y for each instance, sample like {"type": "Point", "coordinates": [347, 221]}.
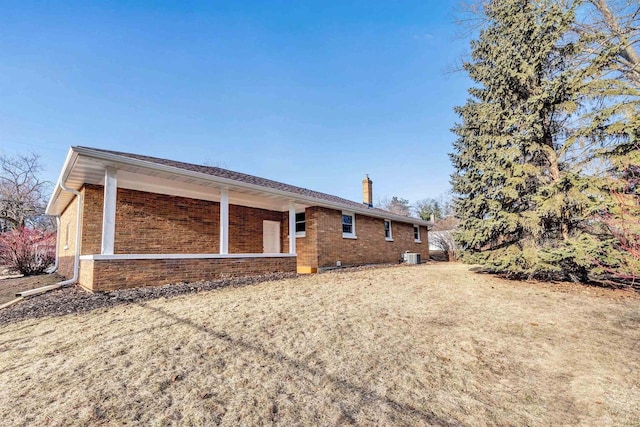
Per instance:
{"type": "Point", "coordinates": [98, 257]}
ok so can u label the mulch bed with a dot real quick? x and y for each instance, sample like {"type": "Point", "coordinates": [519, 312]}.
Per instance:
{"type": "Point", "coordinates": [74, 299]}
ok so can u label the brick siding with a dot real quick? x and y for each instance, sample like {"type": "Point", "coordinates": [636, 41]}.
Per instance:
{"type": "Point", "coordinates": [105, 275]}
{"type": "Point", "coordinates": [67, 243]}
{"type": "Point", "coordinates": [91, 219]}
{"type": "Point", "coordinates": [306, 247]}
{"type": "Point", "coordinates": [150, 223]}
{"type": "Point", "coordinates": [370, 247]}
{"type": "Point", "coordinates": [245, 229]}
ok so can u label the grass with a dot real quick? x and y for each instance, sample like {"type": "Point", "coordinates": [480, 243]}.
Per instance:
{"type": "Point", "coordinates": [425, 345]}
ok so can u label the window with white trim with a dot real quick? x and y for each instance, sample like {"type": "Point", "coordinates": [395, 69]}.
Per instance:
{"type": "Point", "coordinates": [348, 225]}
{"type": "Point", "coordinates": [387, 230]}
{"type": "Point", "coordinates": [416, 234]}
{"type": "Point", "coordinates": [301, 225]}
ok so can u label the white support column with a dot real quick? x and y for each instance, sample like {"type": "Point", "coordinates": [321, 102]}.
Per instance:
{"type": "Point", "coordinates": [292, 227]}
{"type": "Point", "coordinates": [109, 211]}
{"type": "Point", "coordinates": [224, 221]}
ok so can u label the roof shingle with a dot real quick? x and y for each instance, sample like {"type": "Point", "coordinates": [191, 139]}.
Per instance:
{"type": "Point", "coordinates": [242, 177]}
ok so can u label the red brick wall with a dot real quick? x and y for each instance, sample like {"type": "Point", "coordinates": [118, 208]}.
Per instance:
{"type": "Point", "coordinates": [90, 233]}
{"type": "Point", "coordinates": [155, 223]}
{"type": "Point", "coordinates": [151, 223]}
{"type": "Point", "coordinates": [85, 276]}
{"type": "Point", "coordinates": [245, 229]}
{"type": "Point", "coordinates": [104, 275]}
{"type": "Point", "coordinates": [306, 247]}
{"type": "Point", "coordinates": [67, 244]}
{"type": "Point", "coordinates": [91, 219]}
{"type": "Point", "coordinates": [370, 245]}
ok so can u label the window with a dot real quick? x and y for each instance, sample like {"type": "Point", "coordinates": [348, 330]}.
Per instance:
{"type": "Point", "coordinates": [387, 230]}
{"type": "Point", "coordinates": [66, 236]}
{"type": "Point", "coordinates": [301, 225]}
{"type": "Point", "coordinates": [348, 225]}
{"type": "Point", "coordinates": [416, 234]}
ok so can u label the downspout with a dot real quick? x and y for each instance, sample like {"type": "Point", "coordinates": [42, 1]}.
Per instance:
{"type": "Point", "coordinates": [76, 262]}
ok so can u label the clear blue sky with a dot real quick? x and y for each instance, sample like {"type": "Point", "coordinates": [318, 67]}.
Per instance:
{"type": "Point", "coordinates": [311, 93]}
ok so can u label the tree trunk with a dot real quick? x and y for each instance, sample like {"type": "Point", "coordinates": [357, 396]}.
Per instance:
{"type": "Point", "coordinates": [627, 51]}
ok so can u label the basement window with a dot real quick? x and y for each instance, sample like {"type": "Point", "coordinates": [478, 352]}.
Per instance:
{"type": "Point", "coordinates": [387, 231]}
{"type": "Point", "coordinates": [301, 225]}
{"type": "Point", "coordinates": [348, 225]}
{"type": "Point", "coordinates": [416, 234]}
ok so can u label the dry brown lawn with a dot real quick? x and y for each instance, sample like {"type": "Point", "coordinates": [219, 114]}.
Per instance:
{"type": "Point", "coordinates": [425, 345]}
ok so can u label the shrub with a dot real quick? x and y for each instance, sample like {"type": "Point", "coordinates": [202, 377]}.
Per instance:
{"type": "Point", "coordinates": [27, 250]}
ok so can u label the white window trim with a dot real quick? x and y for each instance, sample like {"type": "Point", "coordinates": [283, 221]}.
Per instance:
{"type": "Point", "coordinates": [390, 238]}
{"type": "Point", "coordinates": [302, 233]}
{"type": "Point", "coordinates": [418, 240]}
{"type": "Point", "coordinates": [351, 235]}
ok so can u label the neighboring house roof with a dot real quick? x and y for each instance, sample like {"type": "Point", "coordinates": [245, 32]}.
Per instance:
{"type": "Point", "coordinates": [117, 158]}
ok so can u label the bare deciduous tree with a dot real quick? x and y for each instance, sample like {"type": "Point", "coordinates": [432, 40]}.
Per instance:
{"type": "Point", "coordinates": [22, 192]}
{"type": "Point", "coordinates": [615, 28]}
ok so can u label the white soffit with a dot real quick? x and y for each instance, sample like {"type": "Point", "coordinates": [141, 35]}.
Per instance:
{"type": "Point", "coordinates": [84, 165]}
{"type": "Point", "coordinates": [87, 170]}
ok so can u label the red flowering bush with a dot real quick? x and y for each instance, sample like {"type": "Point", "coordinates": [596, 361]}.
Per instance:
{"type": "Point", "coordinates": [27, 250]}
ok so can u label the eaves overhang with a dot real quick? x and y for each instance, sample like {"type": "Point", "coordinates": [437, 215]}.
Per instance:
{"type": "Point", "coordinates": [86, 166]}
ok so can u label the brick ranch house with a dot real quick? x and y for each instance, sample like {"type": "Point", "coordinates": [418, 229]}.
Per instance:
{"type": "Point", "coordinates": [127, 220]}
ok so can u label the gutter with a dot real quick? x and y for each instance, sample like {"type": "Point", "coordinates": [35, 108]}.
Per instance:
{"type": "Point", "coordinates": [76, 260]}
{"type": "Point", "coordinates": [110, 157]}
{"type": "Point", "coordinates": [69, 161]}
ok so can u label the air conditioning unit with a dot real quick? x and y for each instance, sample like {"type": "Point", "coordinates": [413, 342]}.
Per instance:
{"type": "Point", "coordinates": [412, 258]}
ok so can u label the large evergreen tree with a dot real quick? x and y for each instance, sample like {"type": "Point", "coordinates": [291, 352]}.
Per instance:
{"type": "Point", "coordinates": [524, 200]}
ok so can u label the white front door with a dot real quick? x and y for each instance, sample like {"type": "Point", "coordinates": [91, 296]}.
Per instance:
{"type": "Point", "coordinates": [271, 237]}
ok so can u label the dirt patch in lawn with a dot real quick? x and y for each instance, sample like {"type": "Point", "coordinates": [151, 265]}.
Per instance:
{"type": "Point", "coordinates": [12, 283]}
{"type": "Point", "coordinates": [413, 345]}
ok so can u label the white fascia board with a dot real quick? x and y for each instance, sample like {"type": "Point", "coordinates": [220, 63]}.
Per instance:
{"type": "Point", "coordinates": [238, 184]}
{"type": "Point", "coordinates": [70, 160]}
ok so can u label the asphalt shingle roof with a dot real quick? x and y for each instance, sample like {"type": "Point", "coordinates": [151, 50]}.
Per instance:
{"type": "Point", "coordinates": [243, 177]}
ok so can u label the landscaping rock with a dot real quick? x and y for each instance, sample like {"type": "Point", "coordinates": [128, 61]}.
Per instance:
{"type": "Point", "coordinates": [74, 299]}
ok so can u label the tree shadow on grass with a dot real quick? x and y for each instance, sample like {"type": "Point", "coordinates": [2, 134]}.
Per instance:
{"type": "Point", "coordinates": [364, 394]}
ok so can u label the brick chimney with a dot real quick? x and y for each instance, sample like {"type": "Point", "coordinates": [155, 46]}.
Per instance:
{"type": "Point", "coordinates": [367, 191]}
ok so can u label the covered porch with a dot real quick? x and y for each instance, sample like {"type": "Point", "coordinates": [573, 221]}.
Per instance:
{"type": "Point", "coordinates": [140, 224]}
